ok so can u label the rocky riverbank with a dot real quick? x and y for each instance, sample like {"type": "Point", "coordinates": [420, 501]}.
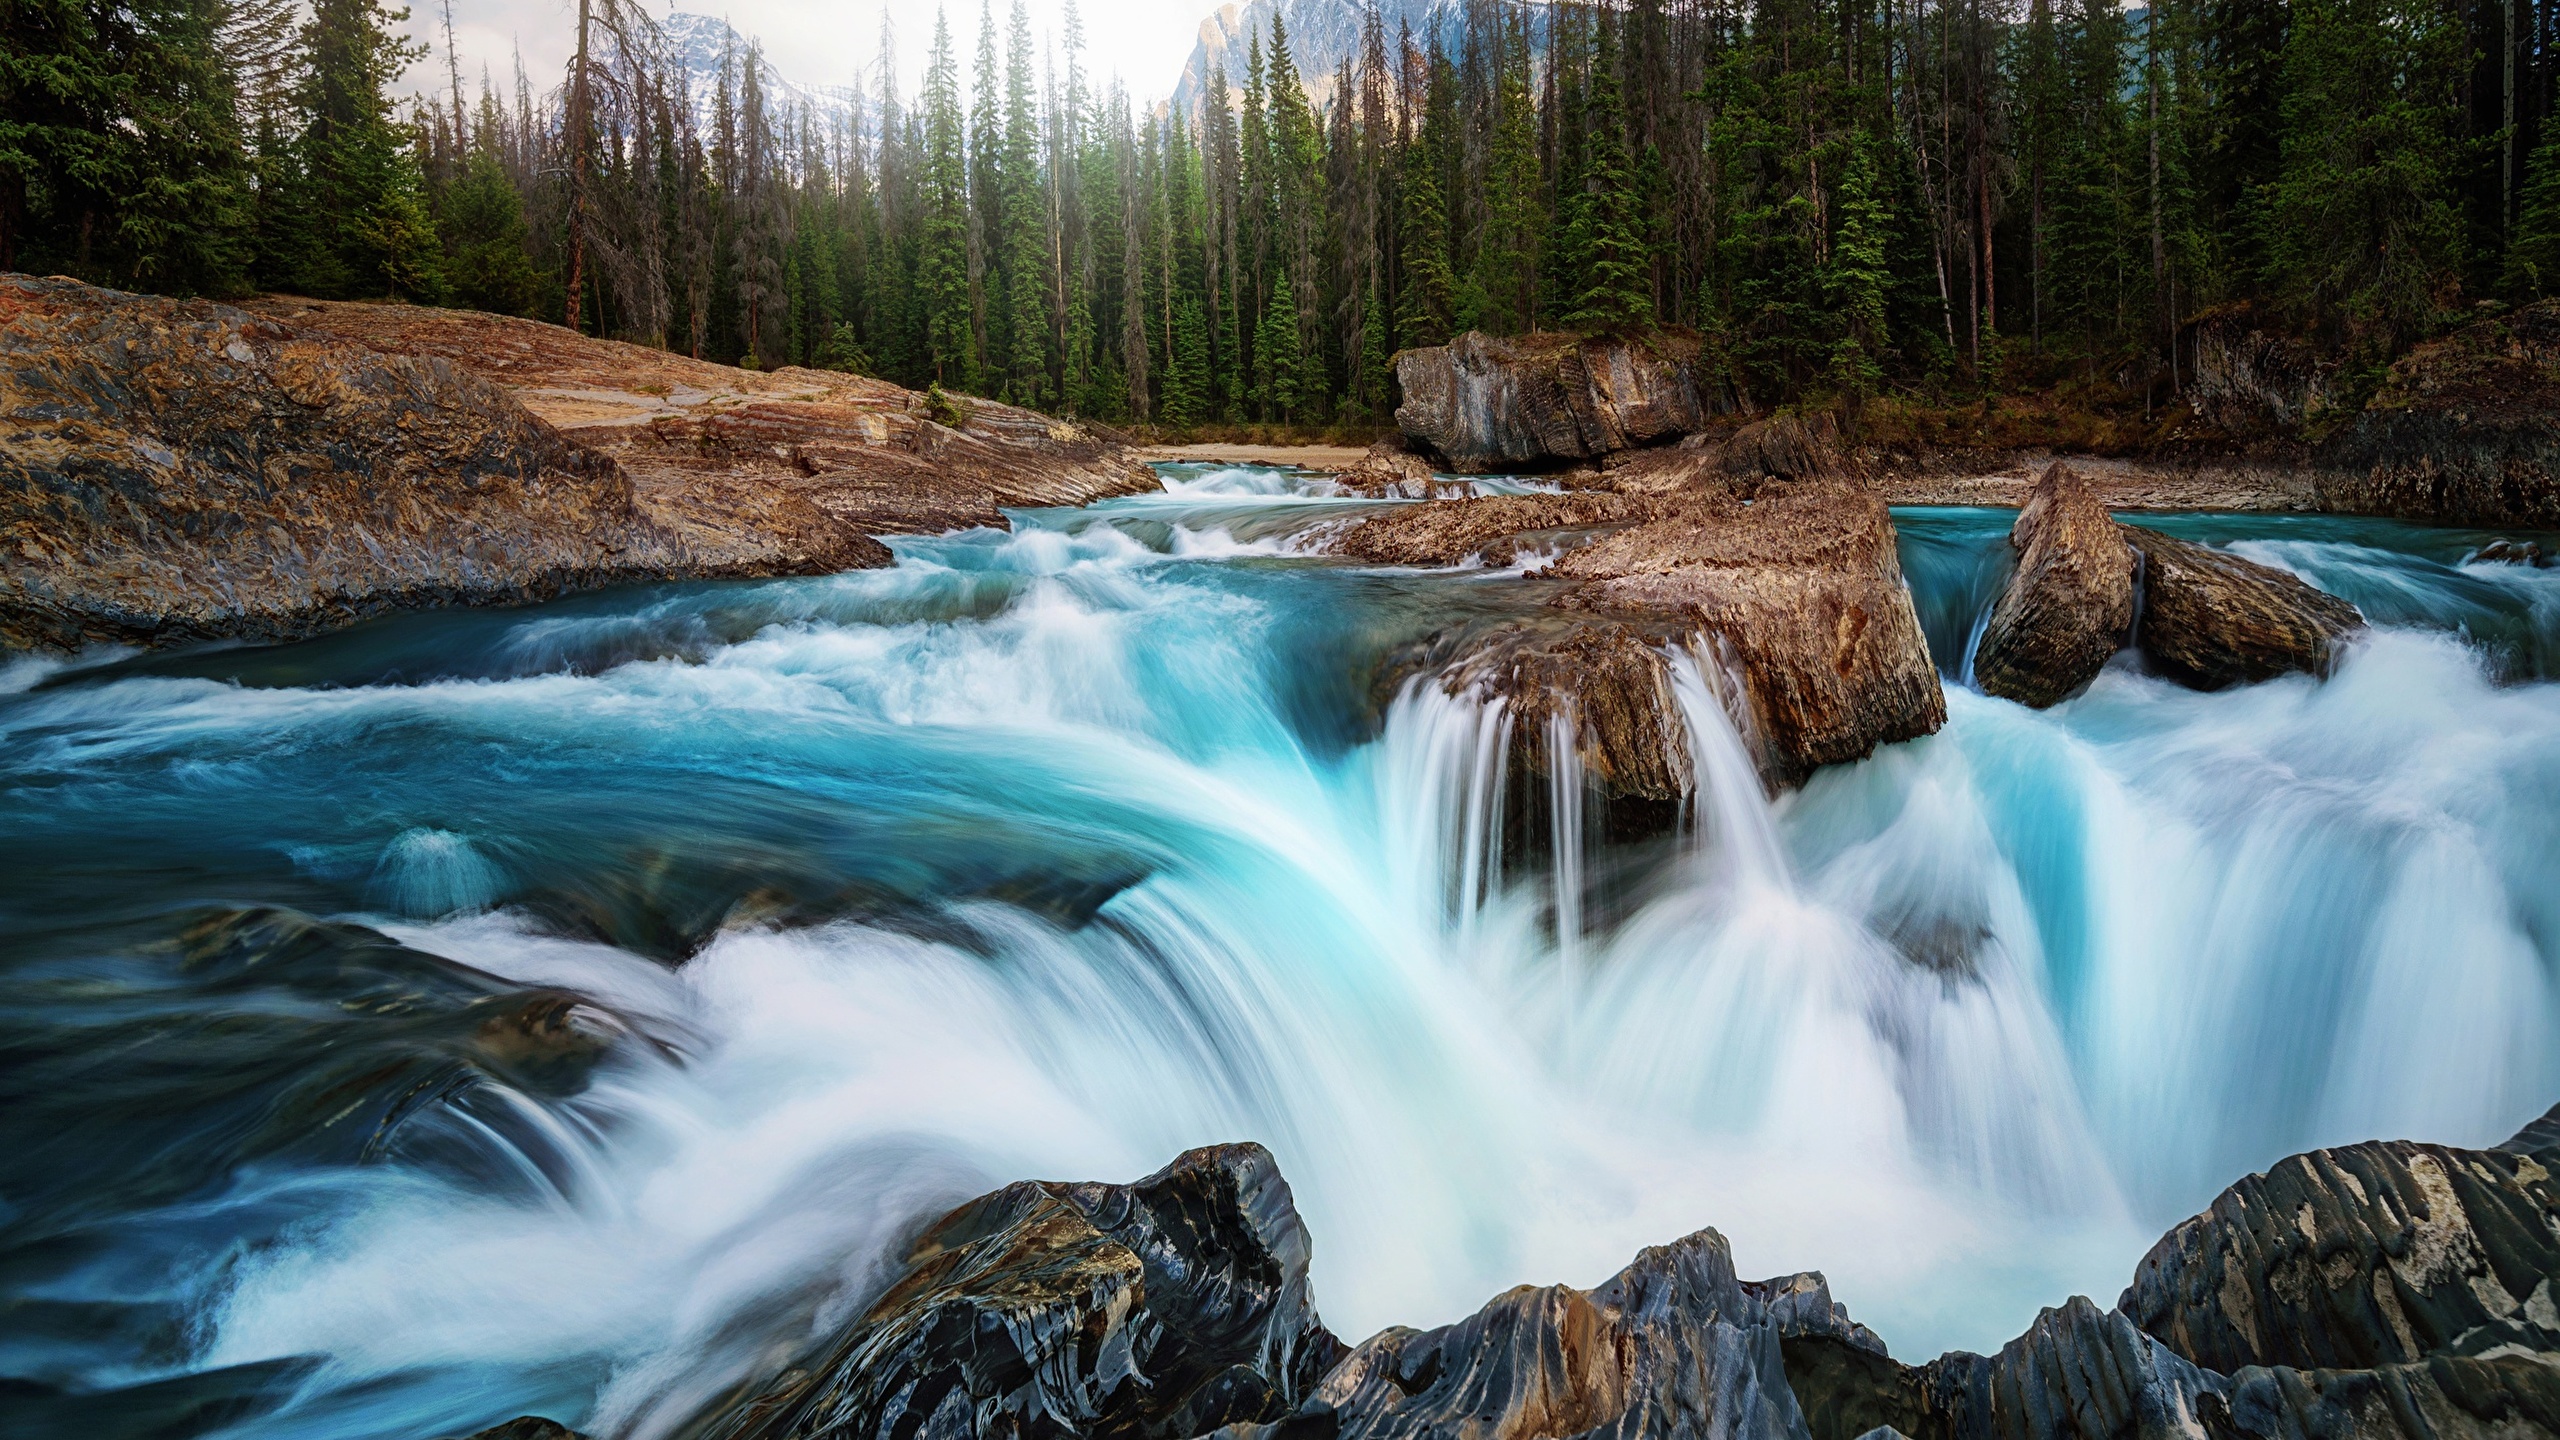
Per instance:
{"type": "Point", "coordinates": [2388, 1289]}
{"type": "Point", "coordinates": [174, 471]}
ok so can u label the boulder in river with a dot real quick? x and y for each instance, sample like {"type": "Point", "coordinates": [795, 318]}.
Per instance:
{"type": "Point", "coordinates": [1391, 470]}
{"type": "Point", "coordinates": [1802, 586]}
{"type": "Point", "coordinates": [1485, 404]}
{"type": "Point", "coordinates": [2070, 605]}
{"type": "Point", "coordinates": [1156, 1310]}
{"type": "Point", "coordinates": [2211, 619]}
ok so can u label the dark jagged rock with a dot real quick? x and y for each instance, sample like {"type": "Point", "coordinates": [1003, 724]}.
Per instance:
{"type": "Point", "coordinates": [2069, 607]}
{"type": "Point", "coordinates": [2211, 619]}
{"type": "Point", "coordinates": [2248, 382]}
{"type": "Point", "coordinates": [2361, 1256]}
{"type": "Point", "coordinates": [2542, 1137]}
{"type": "Point", "coordinates": [528, 1427]}
{"type": "Point", "coordinates": [1673, 1347]}
{"type": "Point", "coordinates": [1803, 588]}
{"type": "Point", "coordinates": [2461, 432]}
{"type": "Point", "coordinates": [1484, 404]}
{"type": "Point", "coordinates": [1152, 1311]}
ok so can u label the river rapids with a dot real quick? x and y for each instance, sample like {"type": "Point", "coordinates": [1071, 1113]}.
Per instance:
{"type": "Point", "coordinates": [1053, 852]}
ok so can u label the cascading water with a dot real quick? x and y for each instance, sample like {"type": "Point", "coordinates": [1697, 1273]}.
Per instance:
{"type": "Point", "coordinates": [1052, 853]}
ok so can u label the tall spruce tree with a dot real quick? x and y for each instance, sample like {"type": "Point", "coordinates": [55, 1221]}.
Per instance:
{"type": "Point", "coordinates": [942, 279]}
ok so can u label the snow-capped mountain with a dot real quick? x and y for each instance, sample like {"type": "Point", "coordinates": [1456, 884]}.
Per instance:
{"type": "Point", "coordinates": [704, 43]}
{"type": "Point", "coordinates": [1322, 33]}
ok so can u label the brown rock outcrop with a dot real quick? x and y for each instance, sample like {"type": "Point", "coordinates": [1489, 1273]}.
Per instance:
{"type": "Point", "coordinates": [181, 471]}
{"type": "Point", "coordinates": [1803, 585]}
{"type": "Point", "coordinates": [1674, 1347]}
{"type": "Point", "coordinates": [2070, 605]}
{"type": "Point", "coordinates": [1798, 582]}
{"type": "Point", "coordinates": [708, 446]}
{"type": "Point", "coordinates": [2211, 619]}
{"type": "Point", "coordinates": [1611, 683]}
{"type": "Point", "coordinates": [2463, 430]}
{"type": "Point", "coordinates": [176, 471]}
{"type": "Point", "coordinates": [1484, 404]}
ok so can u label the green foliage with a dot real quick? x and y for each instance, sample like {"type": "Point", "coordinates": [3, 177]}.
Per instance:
{"type": "Point", "coordinates": [2361, 231]}
{"type": "Point", "coordinates": [481, 223]}
{"type": "Point", "coordinates": [2533, 256]}
{"type": "Point", "coordinates": [1276, 395]}
{"type": "Point", "coordinates": [351, 213]}
{"type": "Point", "coordinates": [1606, 235]}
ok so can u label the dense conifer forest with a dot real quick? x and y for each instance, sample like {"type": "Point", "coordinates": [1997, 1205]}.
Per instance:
{"type": "Point", "coordinates": [1840, 198]}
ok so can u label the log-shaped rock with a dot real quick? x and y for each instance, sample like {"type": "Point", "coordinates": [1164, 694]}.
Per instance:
{"type": "Point", "coordinates": [2069, 607]}
{"type": "Point", "coordinates": [1151, 1311]}
{"type": "Point", "coordinates": [2211, 619]}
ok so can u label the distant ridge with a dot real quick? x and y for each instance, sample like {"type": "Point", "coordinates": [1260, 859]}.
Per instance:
{"type": "Point", "coordinates": [1322, 33]}
{"type": "Point", "coordinates": [702, 42]}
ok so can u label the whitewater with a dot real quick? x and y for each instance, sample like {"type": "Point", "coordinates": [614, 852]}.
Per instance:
{"type": "Point", "coordinates": [1052, 852]}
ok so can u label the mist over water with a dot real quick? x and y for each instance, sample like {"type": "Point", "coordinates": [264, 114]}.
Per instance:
{"type": "Point", "coordinates": [1051, 853]}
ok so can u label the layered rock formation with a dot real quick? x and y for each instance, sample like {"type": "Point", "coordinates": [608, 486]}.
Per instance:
{"type": "Point", "coordinates": [2461, 432]}
{"type": "Point", "coordinates": [1392, 471]}
{"type": "Point", "coordinates": [1156, 1310]}
{"type": "Point", "coordinates": [1762, 545]}
{"type": "Point", "coordinates": [179, 471]}
{"type": "Point", "coordinates": [1483, 404]}
{"type": "Point", "coordinates": [2070, 606]}
{"type": "Point", "coordinates": [2086, 586]}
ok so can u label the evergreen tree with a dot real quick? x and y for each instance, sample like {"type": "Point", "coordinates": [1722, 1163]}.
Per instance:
{"type": "Point", "coordinates": [942, 279]}
{"type": "Point", "coordinates": [354, 215]}
{"type": "Point", "coordinates": [1025, 228]}
{"type": "Point", "coordinates": [481, 223]}
{"type": "Point", "coordinates": [1608, 226]}
{"type": "Point", "coordinates": [1426, 301]}
{"type": "Point", "coordinates": [1277, 394]}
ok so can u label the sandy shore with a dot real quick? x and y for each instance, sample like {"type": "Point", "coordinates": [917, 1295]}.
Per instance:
{"type": "Point", "coordinates": [1309, 457]}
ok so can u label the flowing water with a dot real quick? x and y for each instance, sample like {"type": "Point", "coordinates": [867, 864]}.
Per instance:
{"type": "Point", "coordinates": [1054, 852]}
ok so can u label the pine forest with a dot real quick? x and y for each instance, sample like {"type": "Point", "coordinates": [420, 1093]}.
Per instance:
{"type": "Point", "coordinates": [1839, 199]}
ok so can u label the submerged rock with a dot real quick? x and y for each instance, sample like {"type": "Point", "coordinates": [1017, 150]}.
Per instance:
{"type": "Point", "coordinates": [1485, 404]}
{"type": "Point", "coordinates": [2070, 605]}
{"type": "Point", "coordinates": [1608, 685]}
{"type": "Point", "coordinates": [2211, 619]}
{"type": "Point", "coordinates": [1152, 1311]}
{"type": "Point", "coordinates": [528, 1427]}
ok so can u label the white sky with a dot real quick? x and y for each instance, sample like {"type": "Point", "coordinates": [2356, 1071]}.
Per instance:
{"type": "Point", "coordinates": [820, 42]}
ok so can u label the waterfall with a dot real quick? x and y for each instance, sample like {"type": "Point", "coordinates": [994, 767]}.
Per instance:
{"type": "Point", "coordinates": [1047, 854]}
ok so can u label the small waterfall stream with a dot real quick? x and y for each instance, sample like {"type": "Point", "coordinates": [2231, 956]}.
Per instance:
{"type": "Point", "coordinates": [1051, 853]}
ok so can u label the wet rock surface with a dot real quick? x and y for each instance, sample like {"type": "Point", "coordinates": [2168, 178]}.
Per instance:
{"type": "Point", "coordinates": [2210, 619]}
{"type": "Point", "coordinates": [1161, 1309]}
{"type": "Point", "coordinates": [1485, 404]}
{"type": "Point", "coordinates": [1672, 1346]}
{"type": "Point", "coordinates": [2069, 607]}
{"type": "Point", "coordinates": [1392, 470]}
{"type": "Point", "coordinates": [2358, 1257]}
{"type": "Point", "coordinates": [1792, 580]}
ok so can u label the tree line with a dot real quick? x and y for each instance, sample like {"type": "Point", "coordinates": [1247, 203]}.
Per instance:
{"type": "Point", "coordinates": [1837, 197]}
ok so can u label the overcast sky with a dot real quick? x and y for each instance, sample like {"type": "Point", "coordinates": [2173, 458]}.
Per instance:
{"type": "Point", "coordinates": [821, 42]}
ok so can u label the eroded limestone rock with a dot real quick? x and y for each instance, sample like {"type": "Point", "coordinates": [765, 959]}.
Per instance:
{"type": "Point", "coordinates": [1484, 404]}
